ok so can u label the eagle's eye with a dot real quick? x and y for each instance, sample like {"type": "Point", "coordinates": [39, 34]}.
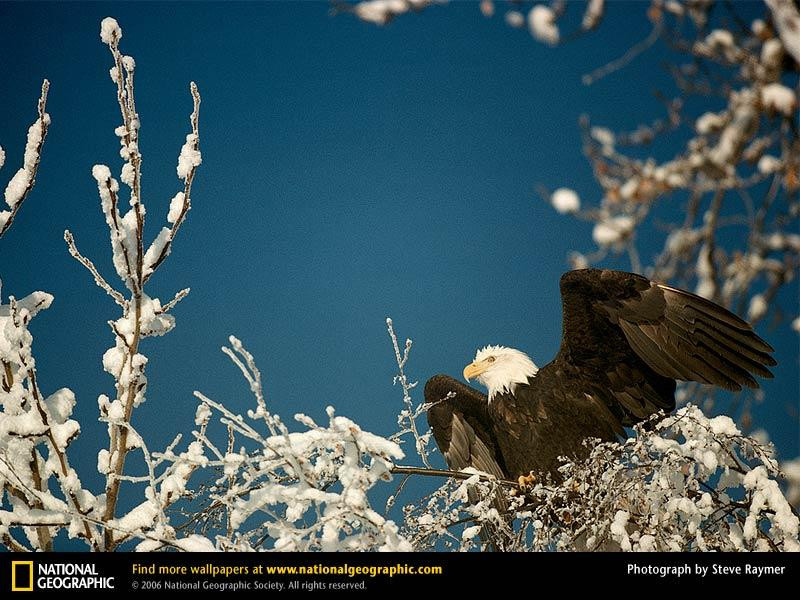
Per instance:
{"type": "Point", "coordinates": [490, 359]}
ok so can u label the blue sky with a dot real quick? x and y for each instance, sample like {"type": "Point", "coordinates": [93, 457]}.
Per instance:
{"type": "Point", "coordinates": [349, 173]}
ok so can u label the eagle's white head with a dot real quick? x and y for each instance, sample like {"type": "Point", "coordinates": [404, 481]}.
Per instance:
{"type": "Point", "coordinates": [500, 369]}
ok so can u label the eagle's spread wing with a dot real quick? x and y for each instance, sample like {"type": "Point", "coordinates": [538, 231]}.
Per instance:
{"type": "Point", "coordinates": [459, 418]}
{"type": "Point", "coordinates": [694, 339]}
{"type": "Point", "coordinates": [636, 336]}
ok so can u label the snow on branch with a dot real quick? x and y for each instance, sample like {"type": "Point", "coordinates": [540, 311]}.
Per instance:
{"type": "Point", "coordinates": [35, 429]}
{"type": "Point", "coordinates": [276, 489]}
{"type": "Point", "coordinates": [142, 316]}
{"type": "Point", "coordinates": [693, 483]}
{"type": "Point", "coordinates": [43, 493]}
{"type": "Point", "coordinates": [689, 483]}
{"type": "Point", "coordinates": [22, 182]}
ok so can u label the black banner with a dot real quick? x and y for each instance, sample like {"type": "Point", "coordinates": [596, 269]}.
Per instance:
{"type": "Point", "coordinates": [363, 574]}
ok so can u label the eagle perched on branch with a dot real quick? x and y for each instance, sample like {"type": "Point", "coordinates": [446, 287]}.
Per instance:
{"type": "Point", "coordinates": [625, 341]}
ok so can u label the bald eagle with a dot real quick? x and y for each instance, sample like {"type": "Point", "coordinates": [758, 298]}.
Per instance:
{"type": "Point", "coordinates": [625, 341]}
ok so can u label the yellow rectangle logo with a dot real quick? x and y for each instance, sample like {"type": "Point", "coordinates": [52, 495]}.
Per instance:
{"type": "Point", "coordinates": [19, 574]}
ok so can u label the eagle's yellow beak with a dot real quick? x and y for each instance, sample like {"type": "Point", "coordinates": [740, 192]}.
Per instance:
{"type": "Point", "coordinates": [474, 369]}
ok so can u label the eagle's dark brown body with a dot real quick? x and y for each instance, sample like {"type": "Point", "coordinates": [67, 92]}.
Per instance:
{"type": "Point", "coordinates": [625, 342]}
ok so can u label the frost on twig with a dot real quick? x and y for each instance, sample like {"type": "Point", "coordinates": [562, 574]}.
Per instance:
{"type": "Point", "coordinates": [407, 418]}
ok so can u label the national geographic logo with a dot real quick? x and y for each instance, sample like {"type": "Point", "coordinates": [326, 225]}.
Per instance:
{"type": "Point", "coordinates": [21, 575]}
{"type": "Point", "coordinates": [27, 576]}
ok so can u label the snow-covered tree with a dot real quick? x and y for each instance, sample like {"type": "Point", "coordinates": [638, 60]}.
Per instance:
{"type": "Point", "coordinates": [270, 488]}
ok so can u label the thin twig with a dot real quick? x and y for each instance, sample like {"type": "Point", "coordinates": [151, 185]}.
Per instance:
{"type": "Point", "coordinates": [626, 58]}
{"type": "Point", "coordinates": [98, 278]}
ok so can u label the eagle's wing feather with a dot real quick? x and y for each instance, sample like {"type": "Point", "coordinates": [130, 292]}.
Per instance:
{"type": "Point", "coordinates": [694, 339]}
{"type": "Point", "coordinates": [634, 337]}
{"type": "Point", "coordinates": [463, 430]}
{"type": "Point", "coordinates": [458, 416]}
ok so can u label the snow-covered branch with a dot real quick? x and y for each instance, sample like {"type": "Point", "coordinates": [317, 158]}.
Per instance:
{"type": "Point", "coordinates": [24, 179]}
{"type": "Point", "coordinates": [689, 483]}
{"type": "Point", "coordinates": [142, 316]}
{"type": "Point", "coordinates": [275, 489]}
{"type": "Point", "coordinates": [36, 430]}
